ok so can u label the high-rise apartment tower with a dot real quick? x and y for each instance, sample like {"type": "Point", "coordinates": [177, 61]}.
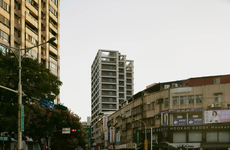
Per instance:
{"type": "Point", "coordinates": [112, 82]}
{"type": "Point", "coordinates": [26, 23]}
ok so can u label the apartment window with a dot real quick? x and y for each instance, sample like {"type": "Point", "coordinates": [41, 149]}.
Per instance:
{"type": "Point", "coordinates": [110, 73]}
{"type": "Point", "coordinates": [216, 80]}
{"type": "Point", "coordinates": [53, 67]}
{"type": "Point", "coordinates": [110, 106]}
{"type": "Point", "coordinates": [110, 67]}
{"type": "Point", "coordinates": [183, 100]}
{"type": "Point", "coordinates": [55, 2]}
{"type": "Point", "coordinates": [217, 97]}
{"type": "Point", "coordinates": [199, 99]}
{"type": "Point", "coordinates": [110, 99]}
{"type": "Point", "coordinates": [3, 49]}
{"type": "Point", "coordinates": [110, 93]}
{"type": "Point", "coordinates": [175, 100]}
{"type": "Point", "coordinates": [191, 99]}
{"type": "Point", "coordinates": [4, 36]}
{"type": "Point", "coordinates": [53, 10]}
{"type": "Point", "coordinates": [166, 102]}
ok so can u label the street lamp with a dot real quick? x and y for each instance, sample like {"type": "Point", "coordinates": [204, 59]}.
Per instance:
{"type": "Point", "coordinates": [146, 140]}
{"type": "Point", "coordinates": [19, 91]}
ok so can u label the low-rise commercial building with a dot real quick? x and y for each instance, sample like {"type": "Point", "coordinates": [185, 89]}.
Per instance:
{"type": "Point", "coordinates": [191, 114]}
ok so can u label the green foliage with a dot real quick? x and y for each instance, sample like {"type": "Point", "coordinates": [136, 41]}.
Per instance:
{"type": "Point", "coordinates": [37, 81]}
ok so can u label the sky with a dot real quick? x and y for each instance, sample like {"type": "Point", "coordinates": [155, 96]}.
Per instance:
{"type": "Point", "coordinates": [168, 40]}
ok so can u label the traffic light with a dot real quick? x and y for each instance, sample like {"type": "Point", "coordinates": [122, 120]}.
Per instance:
{"type": "Point", "coordinates": [74, 130]}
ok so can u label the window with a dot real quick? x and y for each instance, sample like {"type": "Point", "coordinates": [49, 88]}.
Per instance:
{"type": "Point", "coordinates": [110, 80]}
{"type": "Point", "coordinates": [110, 67]}
{"type": "Point", "coordinates": [217, 97]}
{"type": "Point", "coordinates": [166, 102]}
{"type": "Point", "coordinates": [110, 73]}
{"type": "Point", "coordinates": [55, 2]}
{"type": "Point", "coordinates": [3, 49]}
{"type": "Point", "coordinates": [183, 100]}
{"type": "Point", "coordinates": [175, 100]}
{"type": "Point", "coordinates": [216, 80]}
{"type": "Point", "coordinates": [110, 99]}
{"type": "Point", "coordinates": [53, 11]}
{"type": "Point", "coordinates": [4, 36]}
{"type": "Point", "coordinates": [53, 67]}
{"type": "Point", "coordinates": [110, 106]}
{"type": "Point", "coordinates": [191, 99]}
{"type": "Point", "coordinates": [199, 99]}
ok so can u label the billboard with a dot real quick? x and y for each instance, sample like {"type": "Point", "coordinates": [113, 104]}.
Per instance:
{"type": "Point", "coordinates": [217, 116]}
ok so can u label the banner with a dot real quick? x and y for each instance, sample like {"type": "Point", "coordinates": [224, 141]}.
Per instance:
{"type": "Point", "coordinates": [112, 135]}
{"type": "Point", "coordinates": [118, 138]}
{"type": "Point", "coordinates": [164, 119]}
{"type": "Point", "coordinates": [138, 136]}
{"type": "Point", "coordinates": [217, 116]}
{"type": "Point", "coordinates": [105, 119]}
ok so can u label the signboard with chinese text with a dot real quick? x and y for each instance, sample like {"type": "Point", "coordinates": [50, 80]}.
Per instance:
{"type": "Point", "coordinates": [195, 121]}
{"type": "Point", "coordinates": [112, 135]}
{"type": "Point", "coordinates": [179, 121]}
{"type": "Point", "coordinates": [105, 118]}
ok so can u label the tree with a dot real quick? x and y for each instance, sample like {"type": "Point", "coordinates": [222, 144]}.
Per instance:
{"type": "Point", "coordinates": [41, 122]}
{"type": "Point", "coordinates": [37, 81]}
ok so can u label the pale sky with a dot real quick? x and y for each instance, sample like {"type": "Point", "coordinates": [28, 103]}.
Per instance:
{"type": "Point", "coordinates": [167, 39]}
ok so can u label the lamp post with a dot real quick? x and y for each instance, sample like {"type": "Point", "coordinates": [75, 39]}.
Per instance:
{"type": "Point", "coordinates": [19, 91]}
{"type": "Point", "coordinates": [146, 140]}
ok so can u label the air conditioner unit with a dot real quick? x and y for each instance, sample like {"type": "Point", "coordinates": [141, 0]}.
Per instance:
{"type": "Point", "coordinates": [211, 105]}
{"type": "Point", "coordinates": [217, 104]}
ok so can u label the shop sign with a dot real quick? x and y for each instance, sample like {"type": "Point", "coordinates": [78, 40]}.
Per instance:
{"type": "Point", "coordinates": [105, 119]}
{"type": "Point", "coordinates": [195, 121]}
{"type": "Point", "coordinates": [185, 110]}
{"type": "Point", "coordinates": [118, 139]}
{"type": "Point", "coordinates": [131, 145]}
{"type": "Point", "coordinates": [181, 90]}
{"type": "Point", "coordinates": [137, 136]}
{"type": "Point", "coordinates": [164, 119]}
{"type": "Point", "coordinates": [186, 145]}
{"type": "Point", "coordinates": [112, 134]}
{"type": "Point", "coordinates": [179, 121]}
{"type": "Point", "coordinates": [205, 127]}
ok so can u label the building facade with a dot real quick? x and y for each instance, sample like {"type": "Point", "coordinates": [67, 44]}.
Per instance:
{"type": "Point", "coordinates": [186, 114]}
{"type": "Point", "coordinates": [111, 83]}
{"type": "Point", "coordinates": [26, 23]}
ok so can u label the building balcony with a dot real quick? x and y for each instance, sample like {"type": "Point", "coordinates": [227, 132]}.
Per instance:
{"type": "Point", "coordinates": [51, 35]}
{"type": "Point", "coordinates": [53, 27]}
{"type": "Point", "coordinates": [53, 49]}
{"type": "Point", "coordinates": [34, 9]}
{"type": "Point", "coordinates": [53, 16]}
{"type": "Point", "coordinates": [32, 20]}
{"type": "Point", "coordinates": [31, 32]}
